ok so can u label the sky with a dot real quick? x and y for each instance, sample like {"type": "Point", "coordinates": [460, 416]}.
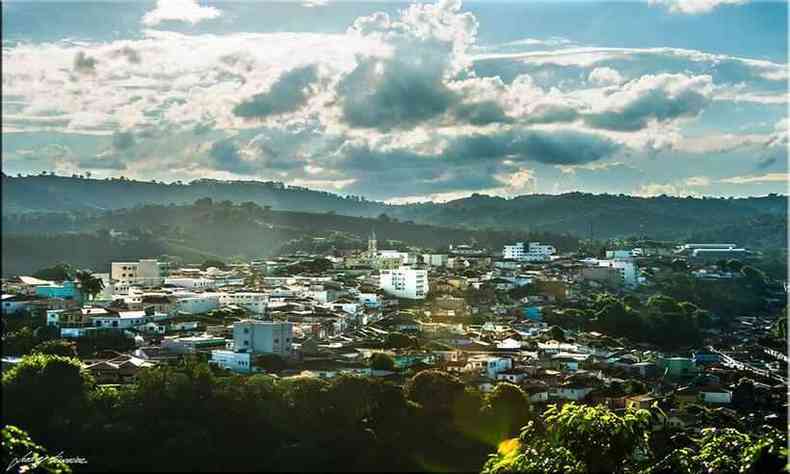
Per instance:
{"type": "Point", "coordinates": [406, 101]}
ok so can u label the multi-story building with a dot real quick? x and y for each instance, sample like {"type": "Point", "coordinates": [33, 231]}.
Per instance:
{"type": "Point", "coordinates": [145, 272]}
{"type": "Point", "coordinates": [435, 259]}
{"type": "Point", "coordinates": [264, 337]}
{"type": "Point", "coordinates": [404, 282]}
{"type": "Point", "coordinates": [533, 252]}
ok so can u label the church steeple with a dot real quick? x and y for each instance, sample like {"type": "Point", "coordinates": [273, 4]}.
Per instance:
{"type": "Point", "coordinates": [372, 244]}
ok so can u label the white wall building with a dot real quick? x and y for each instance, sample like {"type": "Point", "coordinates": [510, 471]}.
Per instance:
{"type": "Point", "coordinates": [265, 337]}
{"type": "Point", "coordinates": [191, 283]}
{"type": "Point", "coordinates": [533, 252]}
{"type": "Point", "coordinates": [435, 259]}
{"type": "Point", "coordinates": [196, 303]}
{"type": "Point", "coordinates": [235, 361]}
{"type": "Point", "coordinates": [145, 272]}
{"type": "Point", "coordinates": [628, 270]}
{"type": "Point", "coordinates": [404, 282]}
{"type": "Point", "coordinates": [252, 301]}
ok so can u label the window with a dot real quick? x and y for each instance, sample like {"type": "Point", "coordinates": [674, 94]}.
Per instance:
{"type": "Point", "coordinates": [246, 330]}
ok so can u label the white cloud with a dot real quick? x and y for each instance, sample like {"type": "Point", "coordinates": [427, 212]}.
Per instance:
{"type": "Point", "coordinates": [693, 7]}
{"type": "Point", "coordinates": [605, 76]}
{"type": "Point", "coordinates": [188, 11]}
{"type": "Point", "coordinates": [757, 179]}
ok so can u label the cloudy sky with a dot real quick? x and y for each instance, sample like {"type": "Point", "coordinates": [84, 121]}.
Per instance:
{"type": "Point", "coordinates": [404, 101]}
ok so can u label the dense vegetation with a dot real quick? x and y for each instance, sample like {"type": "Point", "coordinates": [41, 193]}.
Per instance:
{"type": "Point", "coordinates": [193, 418]}
{"type": "Point", "coordinates": [598, 216]}
{"type": "Point", "coordinates": [218, 231]}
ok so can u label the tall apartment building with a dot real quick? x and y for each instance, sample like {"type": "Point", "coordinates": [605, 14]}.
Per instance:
{"type": "Point", "coordinates": [145, 272]}
{"type": "Point", "coordinates": [263, 337]}
{"type": "Point", "coordinates": [533, 252]}
{"type": "Point", "coordinates": [404, 282]}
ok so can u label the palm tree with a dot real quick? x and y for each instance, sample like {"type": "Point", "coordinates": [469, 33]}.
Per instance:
{"type": "Point", "coordinates": [89, 284]}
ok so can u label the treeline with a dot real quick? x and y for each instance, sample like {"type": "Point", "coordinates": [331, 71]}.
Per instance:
{"type": "Point", "coordinates": [208, 229]}
{"type": "Point", "coordinates": [193, 418]}
{"type": "Point", "coordinates": [585, 215]}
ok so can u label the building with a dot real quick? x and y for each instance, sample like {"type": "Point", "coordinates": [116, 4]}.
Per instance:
{"type": "Point", "coordinates": [253, 301]}
{"type": "Point", "coordinates": [191, 283]}
{"type": "Point", "coordinates": [435, 259]}
{"type": "Point", "coordinates": [620, 254]}
{"type": "Point", "coordinates": [612, 273]}
{"type": "Point", "coordinates": [66, 290]}
{"type": "Point", "coordinates": [404, 282]}
{"type": "Point", "coordinates": [13, 304]}
{"type": "Point", "coordinates": [533, 252]}
{"type": "Point", "coordinates": [372, 245]}
{"type": "Point", "coordinates": [236, 361]}
{"type": "Point", "coordinates": [263, 337]}
{"type": "Point", "coordinates": [145, 272]}
{"type": "Point", "coordinates": [714, 255]}
{"type": "Point", "coordinates": [191, 344]}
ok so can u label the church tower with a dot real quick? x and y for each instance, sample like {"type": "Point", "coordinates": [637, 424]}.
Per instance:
{"type": "Point", "coordinates": [372, 247]}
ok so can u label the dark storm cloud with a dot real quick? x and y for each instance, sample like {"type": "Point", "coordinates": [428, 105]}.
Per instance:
{"type": "Point", "coordinates": [84, 64]}
{"type": "Point", "coordinates": [225, 156]}
{"type": "Point", "coordinates": [289, 93]}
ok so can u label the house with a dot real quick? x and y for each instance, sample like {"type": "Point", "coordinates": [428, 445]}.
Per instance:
{"type": "Point", "coordinates": [515, 376]}
{"type": "Point", "coordinates": [13, 304]}
{"type": "Point", "coordinates": [644, 400]}
{"type": "Point", "coordinates": [118, 370]}
{"type": "Point", "coordinates": [574, 391]}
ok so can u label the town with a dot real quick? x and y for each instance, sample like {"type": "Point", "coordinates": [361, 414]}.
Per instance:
{"type": "Point", "coordinates": [691, 329]}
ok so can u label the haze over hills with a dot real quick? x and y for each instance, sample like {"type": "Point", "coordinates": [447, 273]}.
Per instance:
{"type": "Point", "coordinates": [580, 214]}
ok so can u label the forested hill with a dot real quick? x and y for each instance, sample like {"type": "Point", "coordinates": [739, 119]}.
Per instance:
{"type": "Point", "coordinates": [583, 215]}
{"type": "Point", "coordinates": [209, 230]}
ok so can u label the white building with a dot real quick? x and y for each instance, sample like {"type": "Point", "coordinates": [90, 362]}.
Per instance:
{"type": "Point", "coordinates": [435, 259]}
{"type": "Point", "coordinates": [533, 252]}
{"type": "Point", "coordinates": [263, 337]}
{"type": "Point", "coordinates": [235, 361]}
{"type": "Point", "coordinates": [194, 303]}
{"type": "Point", "coordinates": [145, 272]}
{"type": "Point", "coordinates": [191, 283]}
{"type": "Point", "coordinates": [404, 282]}
{"type": "Point", "coordinates": [253, 301]}
{"type": "Point", "coordinates": [629, 273]}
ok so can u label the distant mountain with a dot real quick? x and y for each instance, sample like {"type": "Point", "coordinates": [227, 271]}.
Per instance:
{"type": "Point", "coordinates": [584, 215]}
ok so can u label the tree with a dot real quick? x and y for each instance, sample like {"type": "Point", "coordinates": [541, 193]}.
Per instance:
{"type": "Point", "coordinates": [577, 439]}
{"type": "Point", "coordinates": [22, 454]}
{"type": "Point", "coordinates": [381, 361]}
{"type": "Point", "coordinates": [213, 263]}
{"type": "Point", "coordinates": [28, 389]}
{"type": "Point", "coordinates": [59, 272]}
{"type": "Point", "coordinates": [507, 410]}
{"type": "Point", "coordinates": [435, 391]}
{"type": "Point", "coordinates": [270, 362]}
{"type": "Point", "coordinates": [58, 347]}
{"type": "Point", "coordinates": [89, 284]}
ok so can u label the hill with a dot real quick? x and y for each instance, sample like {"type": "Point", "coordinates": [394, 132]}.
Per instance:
{"type": "Point", "coordinates": [222, 230]}
{"type": "Point", "coordinates": [600, 216]}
